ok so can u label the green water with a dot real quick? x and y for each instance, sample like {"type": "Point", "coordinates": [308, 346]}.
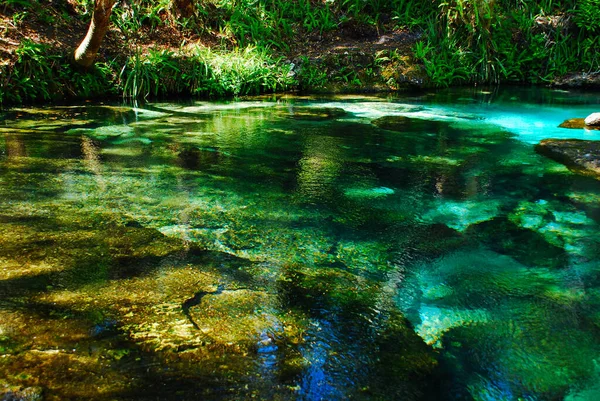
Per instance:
{"type": "Point", "coordinates": [369, 248]}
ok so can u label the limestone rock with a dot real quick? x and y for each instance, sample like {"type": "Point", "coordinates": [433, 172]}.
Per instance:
{"type": "Point", "coordinates": [313, 113]}
{"type": "Point", "coordinates": [593, 119]}
{"type": "Point", "coordinates": [579, 156]}
{"type": "Point", "coordinates": [408, 124]}
{"type": "Point", "coordinates": [578, 123]}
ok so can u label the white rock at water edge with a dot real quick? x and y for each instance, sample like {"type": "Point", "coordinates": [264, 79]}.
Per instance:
{"type": "Point", "coordinates": [593, 119]}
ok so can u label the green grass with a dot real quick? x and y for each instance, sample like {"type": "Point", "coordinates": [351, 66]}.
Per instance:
{"type": "Point", "coordinates": [41, 75]}
{"type": "Point", "coordinates": [204, 72]}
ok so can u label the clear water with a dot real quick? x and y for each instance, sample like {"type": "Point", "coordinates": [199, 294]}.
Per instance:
{"type": "Point", "coordinates": [300, 248]}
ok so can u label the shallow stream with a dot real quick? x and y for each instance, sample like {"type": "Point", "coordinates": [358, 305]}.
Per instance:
{"type": "Point", "coordinates": [298, 248]}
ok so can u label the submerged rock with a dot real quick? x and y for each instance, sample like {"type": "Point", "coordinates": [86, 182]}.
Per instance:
{"type": "Point", "coordinates": [524, 244]}
{"type": "Point", "coordinates": [387, 357]}
{"type": "Point", "coordinates": [314, 113]}
{"type": "Point", "coordinates": [408, 124]}
{"type": "Point", "coordinates": [593, 119]}
{"type": "Point", "coordinates": [492, 315]}
{"type": "Point", "coordinates": [368, 193]}
{"type": "Point", "coordinates": [578, 123]}
{"type": "Point", "coordinates": [582, 157]}
{"type": "Point", "coordinates": [459, 215]}
{"type": "Point", "coordinates": [559, 227]}
{"type": "Point", "coordinates": [107, 131]}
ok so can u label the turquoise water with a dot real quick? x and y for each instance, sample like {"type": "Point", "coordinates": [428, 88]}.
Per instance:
{"type": "Point", "coordinates": [351, 247]}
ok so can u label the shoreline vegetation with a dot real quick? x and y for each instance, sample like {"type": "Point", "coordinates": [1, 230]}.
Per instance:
{"type": "Point", "coordinates": [231, 48]}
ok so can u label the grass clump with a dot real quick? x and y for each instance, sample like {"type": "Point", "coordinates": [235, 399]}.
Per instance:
{"type": "Point", "coordinates": [248, 71]}
{"type": "Point", "coordinates": [42, 75]}
{"type": "Point", "coordinates": [204, 72]}
{"type": "Point", "coordinates": [587, 15]}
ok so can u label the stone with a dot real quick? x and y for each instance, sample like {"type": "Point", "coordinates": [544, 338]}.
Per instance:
{"type": "Point", "coordinates": [459, 215]}
{"type": "Point", "coordinates": [525, 245]}
{"type": "Point", "coordinates": [593, 119]}
{"type": "Point", "coordinates": [313, 113]}
{"type": "Point", "coordinates": [408, 124]}
{"type": "Point", "coordinates": [577, 123]}
{"type": "Point", "coordinates": [580, 156]}
{"type": "Point", "coordinates": [579, 80]}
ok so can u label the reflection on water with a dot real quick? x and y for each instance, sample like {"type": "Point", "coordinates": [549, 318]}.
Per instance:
{"type": "Point", "coordinates": [412, 248]}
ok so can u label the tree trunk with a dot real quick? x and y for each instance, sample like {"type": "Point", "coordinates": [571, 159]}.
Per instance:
{"type": "Point", "coordinates": [87, 50]}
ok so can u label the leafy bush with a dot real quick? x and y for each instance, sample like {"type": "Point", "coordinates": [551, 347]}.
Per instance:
{"type": "Point", "coordinates": [587, 15]}
{"type": "Point", "coordinates": [311, 76]}
{"type": "Point", "coordinates": [240, 72]}
{"type": "Point", "coordinates": [32, 75]}
{"type": "Point", "coordinates": [132, 15]}
{"type": "Point", "coordinates": [471, 41]}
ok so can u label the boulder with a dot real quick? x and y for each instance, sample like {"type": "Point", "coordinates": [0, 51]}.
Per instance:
{"type": "Point", "coordinates": [593, 119]}
{"type": "Point", "coordinates": [578, 123]}
{"type": "Point", "coordinates": [582, 157]}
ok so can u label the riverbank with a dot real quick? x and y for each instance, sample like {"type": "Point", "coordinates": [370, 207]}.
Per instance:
{"type": "Point", "coordinates": [351, 46]}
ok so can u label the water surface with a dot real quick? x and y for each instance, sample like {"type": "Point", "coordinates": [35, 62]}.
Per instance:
{"type": "Point", "coordinates": [411, 248]}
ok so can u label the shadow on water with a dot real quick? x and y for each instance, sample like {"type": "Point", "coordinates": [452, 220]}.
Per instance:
{"type": "Point", "coordinates": [358, 350]}
{"type": "Point", "coordinates": [97, 345]}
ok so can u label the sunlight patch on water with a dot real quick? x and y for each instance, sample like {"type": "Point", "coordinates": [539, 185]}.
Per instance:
{"type": "Point", "coordinates": [436, 321]}
{"type": "Point", "coordinates": [461, 215]}
{"type": "Point", "coordinates": [531, 123]}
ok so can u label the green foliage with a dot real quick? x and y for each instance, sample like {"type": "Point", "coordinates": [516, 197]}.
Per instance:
{"type": "Point", "coordinates": [587, 15]}
{"type": "Point", "coordinates": [241, 72]}
{"type": "Point", "coordinates": [444, 68]}
{"type": "Point", "coordinates": [83, 7]}
{"type": "Point", "coordinates": [407, 13]}
{"type": "Point", "coordinates": [473, 41]}
{"type": "Point", "coordinates": [40, 73]}
{"type": "Point", "coordinates": [271, 23]}
{"type": "Point", "coordinates": [411, 14]}
{"type": "Point", "coordinates": [31, 71]}
{"type": "Point", "coordinates": [150, 74]}
{"type": "Point", "coordinates": [204, 72]}
{"type": "Point", "coordinates": [100, 80]}
{"type": "Point", "coordinates": [132, 15]}
{"type": "Point", "coordinates": [16, 4]}
{"type": "Point", "coordinates": [310, 75]}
